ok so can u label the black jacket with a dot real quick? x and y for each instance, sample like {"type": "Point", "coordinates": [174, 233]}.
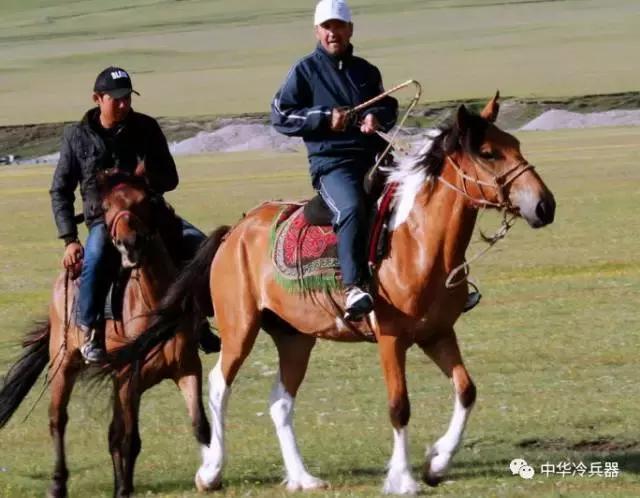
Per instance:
{"type": "Point", "coordinates": [87, 149]}
{"type": "Point", "coordinates": [315, 85]}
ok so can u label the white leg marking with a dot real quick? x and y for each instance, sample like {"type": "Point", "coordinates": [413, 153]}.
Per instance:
{"type": "Point", "coordinates": [209, 475]}
{"type": "Point", "coordinates": [281, 409]}
{"type": "Point", "coordinates": [439, 456]}
{"type": "Point", "coordinates": [399, 480]}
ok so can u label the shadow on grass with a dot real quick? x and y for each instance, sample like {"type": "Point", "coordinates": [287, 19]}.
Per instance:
{"type": "Point", "coordinates": [628, 462]}
{"type": "Point", "coordinates": [470, 470]}
{"type": "Point", "coordinates": [602, 449]}
{"type": "Point", "coordinates": [46, 474]}
{"type": "Point", "coordinates": [186, 484]}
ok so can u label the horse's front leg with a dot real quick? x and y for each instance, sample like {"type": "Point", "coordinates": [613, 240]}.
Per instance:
{"type": "Point", "coordinates": [446, 354]}
{"type": "Point", "coordinates": [393, 358]}
{"type": "Point", "coordinates": [124, 435]}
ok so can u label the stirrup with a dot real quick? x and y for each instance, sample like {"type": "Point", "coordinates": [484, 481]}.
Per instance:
{"type": "Point", "coordinates": [473, 298]}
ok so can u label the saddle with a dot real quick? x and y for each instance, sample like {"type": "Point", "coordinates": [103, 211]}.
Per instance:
{"type": "Point", "coordinates": [304, 248]}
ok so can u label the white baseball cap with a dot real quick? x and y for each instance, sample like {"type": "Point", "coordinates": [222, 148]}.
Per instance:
{"type": "Point", "coordinates": [331, 9]}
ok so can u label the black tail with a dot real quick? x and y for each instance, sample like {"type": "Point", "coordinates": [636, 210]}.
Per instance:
{"type": "Point", "coordinates": [187, 297]}
{"type": "Point", "coordinates": [24, 373]}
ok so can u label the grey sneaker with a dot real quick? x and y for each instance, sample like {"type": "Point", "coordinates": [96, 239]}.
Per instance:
{"type": "Point", "coordinates": [358, 303]}
{"type": "Point", "coordinates": [92, 350]}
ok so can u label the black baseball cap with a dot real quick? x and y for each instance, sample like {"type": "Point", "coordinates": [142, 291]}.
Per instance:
{"type": "Point", "coordinates": [115, 81]}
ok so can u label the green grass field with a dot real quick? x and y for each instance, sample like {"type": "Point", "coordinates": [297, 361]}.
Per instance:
{"type": "Point", "coordinates": [203, 57]}
{"type": "Point", "coordinates": [553, 347]}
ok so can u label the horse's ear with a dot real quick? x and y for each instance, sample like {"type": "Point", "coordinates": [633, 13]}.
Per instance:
{"type": "Point", "coordinates": [102, 180]}
{"type": "Point", "coordinates": [462, 119]}
{"type": "Point", "coordinates": [141, 169]}
{"type": "Point", "coordinates": [490, 111]}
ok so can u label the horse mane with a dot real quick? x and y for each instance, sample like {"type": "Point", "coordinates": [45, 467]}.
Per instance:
{"type": "Point", "coordinates": [113, 179]}
{"type": "Point", "coordinates": [412, 172]}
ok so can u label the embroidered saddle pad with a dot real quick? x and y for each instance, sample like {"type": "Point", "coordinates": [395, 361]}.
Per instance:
{"type": "Point", "coordinates": [305, 256]}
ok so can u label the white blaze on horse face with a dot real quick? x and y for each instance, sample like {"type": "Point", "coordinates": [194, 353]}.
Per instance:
{"type": "Point", "coordinates": [527, 201]}
{"type": "Point", "coordinates": [439, 456]}
{"type": "Point", "coordinates": [210, 472]}
{"type": "Point", "coordinates": [281, 408]}
{"type": "Point", "coordinates": [399, 480]}
{"type": "Point", "coordinates": [126, 260]}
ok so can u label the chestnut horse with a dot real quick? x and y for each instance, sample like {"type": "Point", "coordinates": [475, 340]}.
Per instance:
{"type": "Point", "coordinates": [133, 221]}
{"type": "Point", "coordinates": [471, 163]}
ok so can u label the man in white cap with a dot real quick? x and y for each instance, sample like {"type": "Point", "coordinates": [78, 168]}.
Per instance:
{"type": "Point", "coordinates": [311, 104]}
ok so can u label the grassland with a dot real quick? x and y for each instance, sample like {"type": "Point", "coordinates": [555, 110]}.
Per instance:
{"type": "Point", "coordinates": [553, 347]}
{"type": "Point", "coordinates": [203, 57]}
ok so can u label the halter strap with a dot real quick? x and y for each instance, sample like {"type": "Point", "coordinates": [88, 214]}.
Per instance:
{"type": "Point", "coordinates": [117, 218]}
{"type": "Point", "coordinates": [498, 182]}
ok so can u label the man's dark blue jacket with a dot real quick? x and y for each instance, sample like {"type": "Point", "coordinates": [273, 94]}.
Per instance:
{"type": "Point", "coordinates": [315, 85]}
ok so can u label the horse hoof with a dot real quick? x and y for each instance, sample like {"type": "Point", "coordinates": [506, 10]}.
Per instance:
{"type": "Point", "coordinates": [431, 479]}
{"type": "Point", "coordinates": [435, 467]}
{"type": "Point", "coordinates": [202, 487]}
{"type": "Point", "coordinates": [307, 483]}
{"type": "Point", "coordinates": [57, 492]}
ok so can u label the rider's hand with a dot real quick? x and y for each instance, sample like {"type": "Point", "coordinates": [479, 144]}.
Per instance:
{"type": "Point", "coordinates": [369, 124]}
{"type": "Point", "coordinates": [339, 119]}
{"type": "Point", "coordinates": [73, 254]}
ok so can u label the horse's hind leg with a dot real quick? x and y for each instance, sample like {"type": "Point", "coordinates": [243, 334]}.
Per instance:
{"type": "Point", "coordinates": [64, 376]}
{"type": "Point", "coordinates": [446, 354]}
{"type": "Point", "coordinates": [238, 337]}
{"type": "Point", "coordinates": [294, 352]}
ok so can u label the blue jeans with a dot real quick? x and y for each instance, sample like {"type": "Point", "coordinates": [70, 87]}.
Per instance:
{"type": "Point", "coordinates": [342, 189]}
{"type": "Point", "coordinates": [101, 260]}
{"type": "Point", "coordinates": [191, 240]}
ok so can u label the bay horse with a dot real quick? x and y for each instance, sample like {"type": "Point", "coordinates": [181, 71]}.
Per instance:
{"type": "Point", "coordinates": [469, 164]}
{"type": "Point", "coordinates": [133, 221]}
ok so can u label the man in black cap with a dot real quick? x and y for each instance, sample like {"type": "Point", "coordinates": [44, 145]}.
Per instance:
{"type": "Point", "coordinates": [111, 135]}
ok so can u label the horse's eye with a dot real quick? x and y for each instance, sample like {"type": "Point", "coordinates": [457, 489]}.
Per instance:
{"type": "Point", "coordinates": [487, 154]}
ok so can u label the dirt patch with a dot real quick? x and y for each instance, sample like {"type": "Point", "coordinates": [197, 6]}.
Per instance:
{"type": "Point", "coordinates": [237, 137]}
{"type": "Point", "coordinates": [559, 119]}
{"type": "Point", "coordinates": [192, 135]}
{"type": "Point", "coordinates": [599, 445]}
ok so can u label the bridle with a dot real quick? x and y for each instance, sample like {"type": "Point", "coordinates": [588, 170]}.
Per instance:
{"type": "Point", "coordinates": [498, 182]}
{"type": "Point", "coordinates": [129, 215]}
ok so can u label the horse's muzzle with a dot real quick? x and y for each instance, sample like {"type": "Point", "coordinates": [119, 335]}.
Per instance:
{"type": "Point", "coordinates": [546, 210]}
{"type": "Point", "coordinates": [542, 214]}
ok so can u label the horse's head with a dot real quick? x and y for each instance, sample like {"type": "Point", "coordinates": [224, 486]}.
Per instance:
{"type": "Point", "coordinates": [128, 213]}
{"type": "Point", "coordinates": [492, 170]}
